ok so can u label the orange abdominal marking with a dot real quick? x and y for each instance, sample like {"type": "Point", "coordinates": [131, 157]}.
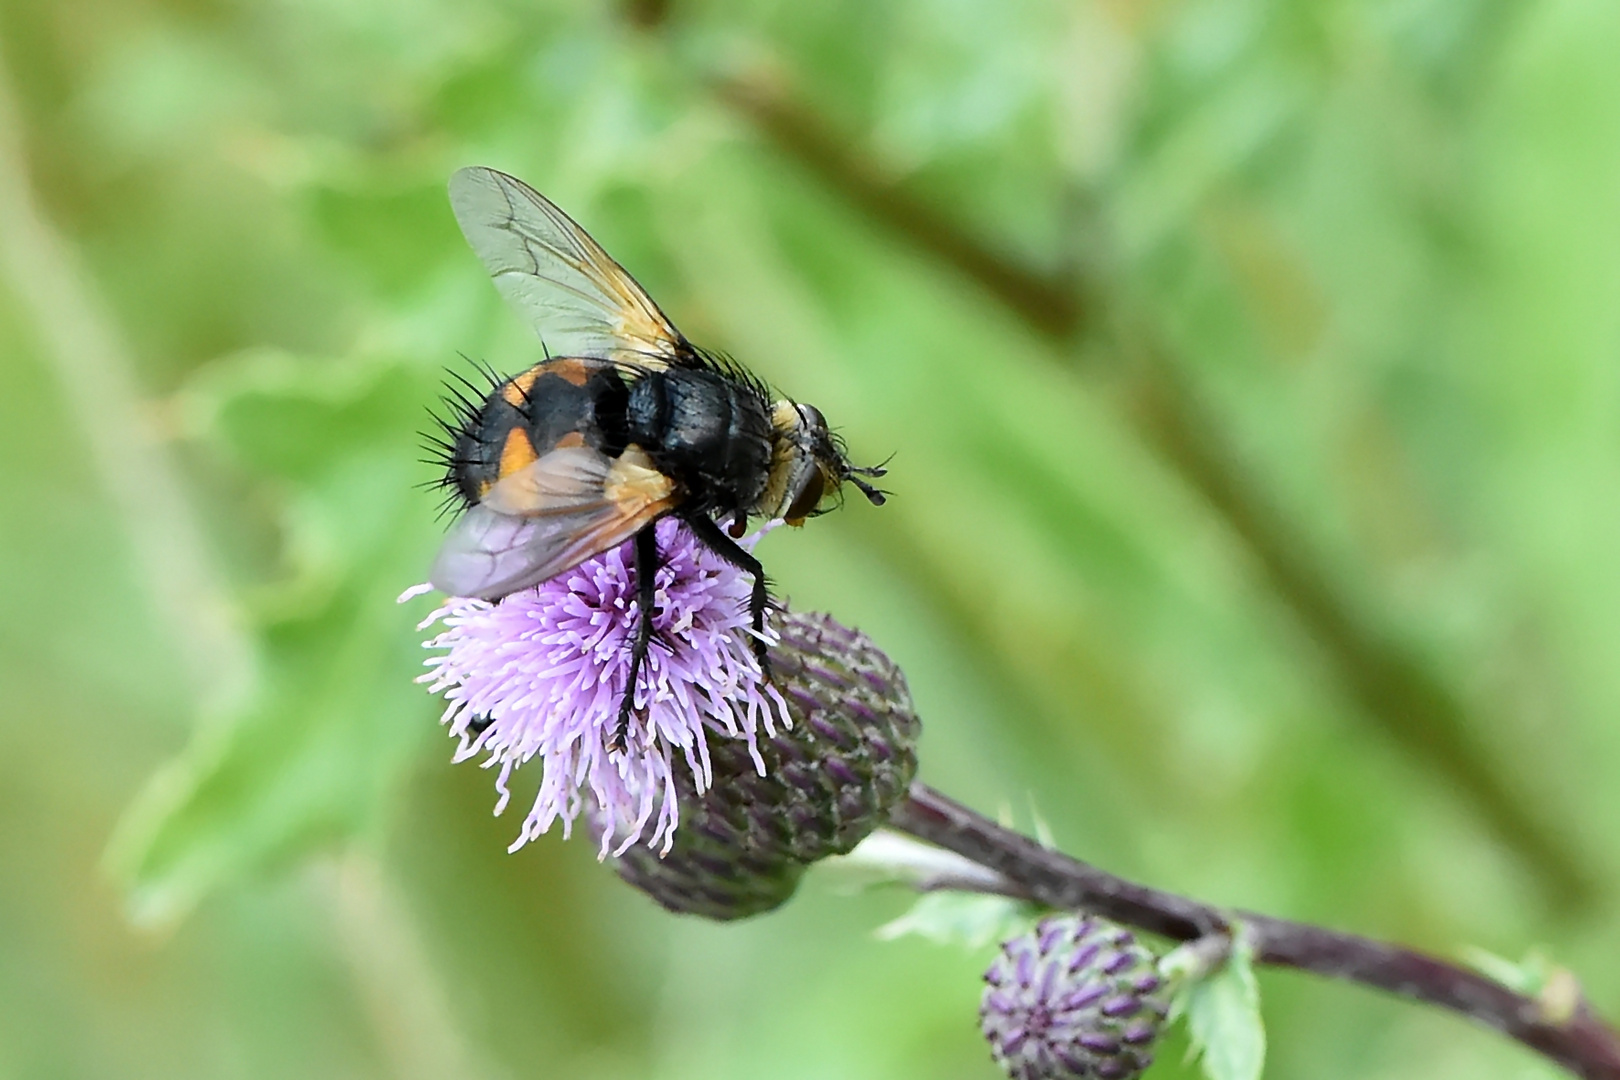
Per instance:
{"type": "Point", "coordinates": [516, 392]}
{"type": "Point", "coordinates": [570, 370]}
{"type": "Point", "coordinates": [517, 453]}
{"type": "Point", "coordinates": [570, 440]}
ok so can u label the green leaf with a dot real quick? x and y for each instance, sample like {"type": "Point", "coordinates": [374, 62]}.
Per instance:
{"type": "Point", "coordinates": [1527, 976]}
{"type": "Point", "coordinates": [960, 918]}
{"type": "Point", "coordinates": [313, 756]}
{"type": "Point", "coordinates": [1556, 989]}
{"type": "Point", "coordinates": [299, 418]}
{"type": "Point", "coordinates": [1223, 1016]}
{"type": "Point", "coordinates": [308, 762]}
{"type": "Point", "coordinates": [395, 233]}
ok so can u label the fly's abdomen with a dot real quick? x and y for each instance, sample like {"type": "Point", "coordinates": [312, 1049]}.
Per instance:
{"type": "Point", "coordinates": [567, 401]}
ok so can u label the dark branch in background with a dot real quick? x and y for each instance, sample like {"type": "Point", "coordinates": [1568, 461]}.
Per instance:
{"type": "Point", "coordinates": [646, 14]}
{"type": "Point", "coordinates": [1578, 1040]}
{"type": "Point", "coordinates": [1049, 303]}
{"type": "Point", "coordinates": [1395, 690]}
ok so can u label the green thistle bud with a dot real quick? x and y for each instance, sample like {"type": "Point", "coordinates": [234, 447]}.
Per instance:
{"type": "Point", "coordinates": [852, 751]}
{"type": "Point", "coordinates": [1075, 997]}
{"type": "Point", "coordinates": [828, 781]}
{"type": "Point", "coordinates": [713, 871]}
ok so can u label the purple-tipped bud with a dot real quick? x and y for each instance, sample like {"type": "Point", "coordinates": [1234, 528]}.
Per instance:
{"type": "Point", "coordinates": [827, 782]}
{"type": "Point", "coordinates": [1075, 997]}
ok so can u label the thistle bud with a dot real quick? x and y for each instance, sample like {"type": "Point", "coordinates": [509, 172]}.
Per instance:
{"type": "Point", "coordinates": [852, 751]}
{"type": "Point", "coordinates": [827, 781]}
{"type": "Point", "coordinates": [712, 871]}
{"type": "Point", "coordinates": [1075, 997]}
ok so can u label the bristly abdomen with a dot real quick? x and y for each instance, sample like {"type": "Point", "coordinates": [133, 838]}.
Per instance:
{"type": "Point", "coordinates": [452, 444]}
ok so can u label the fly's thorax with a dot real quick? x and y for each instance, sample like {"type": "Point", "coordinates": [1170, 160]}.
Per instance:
{"type": "Point", "coordinates": [710, 432]}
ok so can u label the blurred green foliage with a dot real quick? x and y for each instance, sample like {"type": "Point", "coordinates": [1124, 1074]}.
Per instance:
{"type": "Point", "coordinates": [1376, 243]}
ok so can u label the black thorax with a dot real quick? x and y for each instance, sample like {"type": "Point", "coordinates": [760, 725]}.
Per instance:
{"type": "Point", "coordinates": [710, 433]}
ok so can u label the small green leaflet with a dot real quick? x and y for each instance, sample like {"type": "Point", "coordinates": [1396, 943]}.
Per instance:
{"type": "Point", "coordinates": [1223, 1016]}
{"type": "Point", "coordinates": [962, 918]}
{"type": "Point", "coordinates": [1555, 989]}
{"type": "Point", "coordinates": [1528, 976]}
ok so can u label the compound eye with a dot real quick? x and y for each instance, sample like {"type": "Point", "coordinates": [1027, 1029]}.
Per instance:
{"type": "Point", "coordinates": [807, 498]}
{"type": "Point", "coordinates": [812, 416]}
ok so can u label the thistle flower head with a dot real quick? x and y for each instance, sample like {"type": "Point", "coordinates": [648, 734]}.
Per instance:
{"type": "Point", "coordinates": [828, 781]}
{"type": "Point", "coordinates": [1075, 997]}
{"type": "Point", "coordinates": [541, 674]}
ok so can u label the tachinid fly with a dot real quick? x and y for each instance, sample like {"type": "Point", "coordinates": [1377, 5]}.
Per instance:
{"type": "Point", "coordinates": [626, 423]}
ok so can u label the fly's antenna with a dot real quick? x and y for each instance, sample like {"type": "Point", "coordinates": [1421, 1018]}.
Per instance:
{"type": "Point", "coordinates": [875, 495]}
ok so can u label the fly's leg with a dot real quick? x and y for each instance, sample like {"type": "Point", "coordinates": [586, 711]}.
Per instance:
{"type": "Point", "coordinates": [715, 539]}
{"type": "Point", "coordinates": [646, 593]}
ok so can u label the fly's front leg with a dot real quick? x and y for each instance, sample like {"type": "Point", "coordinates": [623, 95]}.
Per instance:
{"type": "Point", "coordinates": [646, 594]}
{"type": "Point", "coordinates": [715, 539]}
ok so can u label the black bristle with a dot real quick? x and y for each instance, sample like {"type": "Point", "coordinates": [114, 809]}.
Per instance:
{"type": "Point", "coordinates": [455, 424]}
{"type": "Point", "coordinates": [733, 370]}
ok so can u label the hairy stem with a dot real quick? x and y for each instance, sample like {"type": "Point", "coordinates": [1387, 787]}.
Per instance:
{"type": "Point", "coordinates": [1573, 1037]}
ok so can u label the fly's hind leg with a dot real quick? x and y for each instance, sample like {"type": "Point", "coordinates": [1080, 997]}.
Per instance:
{"type": "Point", "coordinates": [715, 539]}
{"type": "Point", "coordinates": [646, 593]}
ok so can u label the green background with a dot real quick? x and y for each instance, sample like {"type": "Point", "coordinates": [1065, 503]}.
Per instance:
{"type": "Point", "coordinates": [1252, 374]}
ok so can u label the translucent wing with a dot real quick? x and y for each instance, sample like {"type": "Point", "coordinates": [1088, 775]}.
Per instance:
{"type": "Point", "coordinates": [549, 517]}
{"type": "Point", "coordinates": [577, 298]}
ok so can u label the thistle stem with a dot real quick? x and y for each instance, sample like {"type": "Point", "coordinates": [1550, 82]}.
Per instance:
{"type": "Point", "coordinates": [1578, 1040]}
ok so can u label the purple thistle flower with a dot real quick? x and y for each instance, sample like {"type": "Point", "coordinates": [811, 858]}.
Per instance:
{"type": "Point", "coordinates": [541, 673]}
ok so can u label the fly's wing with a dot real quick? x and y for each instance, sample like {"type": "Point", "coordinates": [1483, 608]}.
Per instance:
{"type": "Point", "coordinates": [549, 517]}
{"type": "Point", "coordinates": [577, 298]}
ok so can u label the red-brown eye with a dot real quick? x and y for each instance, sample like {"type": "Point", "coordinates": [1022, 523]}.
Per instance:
{"type": "Point", "coordinates": [805, 501]}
